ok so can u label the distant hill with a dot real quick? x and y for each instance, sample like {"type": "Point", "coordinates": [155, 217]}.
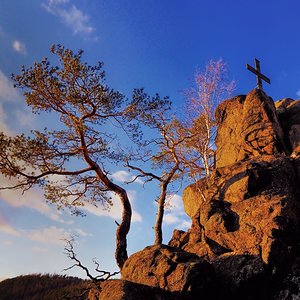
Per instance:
{"type": "Point", "coordinates": [44, 287]}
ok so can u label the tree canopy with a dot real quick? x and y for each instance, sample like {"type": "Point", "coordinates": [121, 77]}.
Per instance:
{"type": "Point", "coordinates": [71, 160]}
{"type": "Point", "coordinates": [88, 111]}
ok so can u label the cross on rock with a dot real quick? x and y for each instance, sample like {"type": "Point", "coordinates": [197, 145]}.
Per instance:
{"type": "Point", "coordinates": [259, 75]}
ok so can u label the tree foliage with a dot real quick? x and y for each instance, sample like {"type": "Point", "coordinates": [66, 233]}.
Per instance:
{"type": "Point", "coordinates": [71, 161]}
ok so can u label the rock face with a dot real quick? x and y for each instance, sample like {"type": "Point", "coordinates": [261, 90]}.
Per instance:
{"type": "Point", "coordinates": [244, 242]}
{"type": "Point", "coordinates": [248, 207]}
{"type": "Point", "coordinates": [126, 290]}
{"type": "Point", "coordinates": [288, 112]}
{"type": "Point", "coordinates": [245, 217]}
{"type": "Point", "coordinates": [167, 268]}
{"type": "Point", "coordinates": [247, 127]}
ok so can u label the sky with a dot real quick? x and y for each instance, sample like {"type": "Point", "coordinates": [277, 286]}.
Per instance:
{"type": "Point", "coordinates": [155, 44]}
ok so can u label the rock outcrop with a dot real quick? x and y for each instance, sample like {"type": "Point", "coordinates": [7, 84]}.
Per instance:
{"type": "Point", "coordinates": [168, 268]}
{"type": "Point", "coordinates": [244, 241]}
{"type": "Point", "coordinates": [248, 127]}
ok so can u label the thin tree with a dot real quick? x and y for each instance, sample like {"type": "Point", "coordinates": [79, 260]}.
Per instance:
{"type": "Point", "coordinates": [165, 153]}
{"type": "Point", "coordinates": [210, 87]}
{"type": "Point", "coordinates": [185, 147]}
{"type": "Point", "coordinates": [70, 161]}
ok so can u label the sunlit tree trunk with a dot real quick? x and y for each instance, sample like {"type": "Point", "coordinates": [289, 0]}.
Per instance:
{"type": "Point", "coordinates": [162, 202]}
{"type": "Point", "coordinates": [124, 227]}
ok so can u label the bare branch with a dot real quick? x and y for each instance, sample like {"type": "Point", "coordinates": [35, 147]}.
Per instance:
{"type": "Point", "coordinates": [143, 173]}
{"type": "Point", "coordinates": [103, 275]}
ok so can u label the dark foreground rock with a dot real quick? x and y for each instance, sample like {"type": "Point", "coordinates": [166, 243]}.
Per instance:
{"type": "Point", "coordinates": [126, 290]}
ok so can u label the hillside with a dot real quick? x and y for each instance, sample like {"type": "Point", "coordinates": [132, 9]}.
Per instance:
{"type": "Point", "coordinates": [46, 287]}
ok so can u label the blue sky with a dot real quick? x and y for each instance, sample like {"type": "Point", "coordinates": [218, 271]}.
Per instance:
{"type": "Point", "coordinates": [152, 44]}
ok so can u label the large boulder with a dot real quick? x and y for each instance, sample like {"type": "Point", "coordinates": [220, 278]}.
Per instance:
{"type": "Point", "coordinates": [249, 207]}
{"type": "Point", "coordinates": [125, 290]}
{"type": "Point", "coordinates": [247, 127]}
{"type": "Point", "coordinates": [168, 268]}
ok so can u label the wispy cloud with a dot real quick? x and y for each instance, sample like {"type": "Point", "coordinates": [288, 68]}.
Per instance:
{"type": "Point", "coordinates": [8, 92]}
{"type": "Point", "coordinates": [50, 235]}
{"type": "Point", "coordinates": [53, 235]}
{"type": "Point", "coordinates": [3, 121]}
{"type": "Point", "coordinates": [298, 93]}
{"type": "Point", "coordinates": [6, 228]}
{"type": "Point", "coordinates": [175, 214]}
{"type": "Point", "coordinates": [70, 15]}
{"type": "Point", "coordinates": [115, 212]}
{"type": "Point", "coordinates": [19, 47]}
{"type": "Point", "coordinates": [33, 199]}
{"type": "Point", "coordinates": [9, 96]}
{"type": "Point", "coordinates": [47, 235]}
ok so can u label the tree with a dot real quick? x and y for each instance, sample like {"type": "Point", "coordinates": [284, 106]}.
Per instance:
{"type": "Point", "coordinates": [184, 147]}
{"type": "Point", "coordinates": [165, 154]}
{"type": "Point", "coordinates": [210, 87]}
{"type": "Point", "coordinates": [79, 150]}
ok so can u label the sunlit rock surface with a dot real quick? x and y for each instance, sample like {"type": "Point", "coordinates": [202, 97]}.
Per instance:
{"type": "Point", "coordinates": [244, 238]}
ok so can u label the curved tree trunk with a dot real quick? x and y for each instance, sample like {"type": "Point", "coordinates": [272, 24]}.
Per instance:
{"type": "Point", "coordinates": [160, 214]}
{"type": "Point", "coordinates": [161, 204]}
{"type": "Point", "coordinates": [123, 229]}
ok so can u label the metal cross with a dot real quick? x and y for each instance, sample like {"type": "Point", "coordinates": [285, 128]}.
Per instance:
{"type": "Point", "coordinates": [259, 75]}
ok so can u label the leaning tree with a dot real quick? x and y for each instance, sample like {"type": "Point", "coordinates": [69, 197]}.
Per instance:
{"type": "Point", "coordinates": [71, 161]}
{"type": "Point", "coordinates": [162, 154]}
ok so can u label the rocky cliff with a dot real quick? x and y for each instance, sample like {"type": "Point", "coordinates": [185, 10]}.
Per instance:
{"type": "Point", "coordinates": [244, 238]}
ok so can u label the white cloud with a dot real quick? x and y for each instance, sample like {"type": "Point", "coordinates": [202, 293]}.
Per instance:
{"type": "Point", "coordinates": [32, 198]}
{"type": "Point", "coordinates": [175, 214]}
{"type": "Point", "coordinates": [25, 118]}
{"type": "Point", "coordinates": [19, 47]}
{"type": "Point", "coordinates": [8, 92]}
{"type": "Point", "coordinates": [16, 109]}
{"type": "Point", "coordinates": [8, 229]}
{"type": "Point", "coordinates": [115, 212]}
{"type": "Point", "coordinates": [81, 232]}
{"type": "Point", "coordinates": [3, 118]}
{"type": "Point", "coordinates": [50, 235]}
{"type": "Point", "coordinates": [73, 17]}
{"type": "Point", "coordinates": [184, 225]}
{"type": "Point", "coordinates": [298, 93]}
{"type": "Point", "coordinates": [124, 176]}
{"type": "Point", "coordinates": [171, 219]}
{"type": "Point", "coordinates": [53, 235]}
